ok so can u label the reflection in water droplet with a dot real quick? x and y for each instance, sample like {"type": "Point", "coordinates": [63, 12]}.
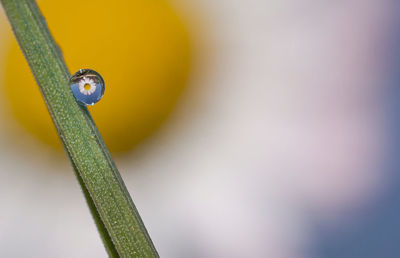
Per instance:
{"type": "Point", "coordinates": [87, 86]}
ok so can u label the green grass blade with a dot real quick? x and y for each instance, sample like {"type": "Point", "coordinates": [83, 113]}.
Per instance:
{"type": "Point", "coordinates": [118, 221]}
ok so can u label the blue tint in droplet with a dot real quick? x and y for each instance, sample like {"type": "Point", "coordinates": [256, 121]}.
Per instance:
{"type": "Point", "coordinates": [87, 86]}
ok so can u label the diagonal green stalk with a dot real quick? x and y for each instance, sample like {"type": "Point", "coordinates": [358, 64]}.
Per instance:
{"type": "Point", "coordinates": [117, 219]}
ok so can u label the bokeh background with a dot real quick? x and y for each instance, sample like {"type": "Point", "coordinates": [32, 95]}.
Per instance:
{"type": "Point", "coordinates": [260, 128]}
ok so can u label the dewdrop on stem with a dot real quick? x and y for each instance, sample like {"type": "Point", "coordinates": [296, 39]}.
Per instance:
{"type": "Point", "coordinates": [87, 86]}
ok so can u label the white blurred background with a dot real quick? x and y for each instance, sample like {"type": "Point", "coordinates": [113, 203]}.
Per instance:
{"type": "Point", "coordinates": [280, 146]}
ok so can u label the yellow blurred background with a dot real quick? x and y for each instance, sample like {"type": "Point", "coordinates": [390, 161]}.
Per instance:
{"type": "Point", "coordinates": [142, 50]}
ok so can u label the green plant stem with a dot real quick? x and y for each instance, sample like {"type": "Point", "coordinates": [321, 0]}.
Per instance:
{"type": "Point", "coordinates": [118, 221]}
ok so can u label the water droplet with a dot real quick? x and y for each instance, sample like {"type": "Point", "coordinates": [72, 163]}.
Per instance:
{"type": "Point", "coordinates": [87, 86]}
